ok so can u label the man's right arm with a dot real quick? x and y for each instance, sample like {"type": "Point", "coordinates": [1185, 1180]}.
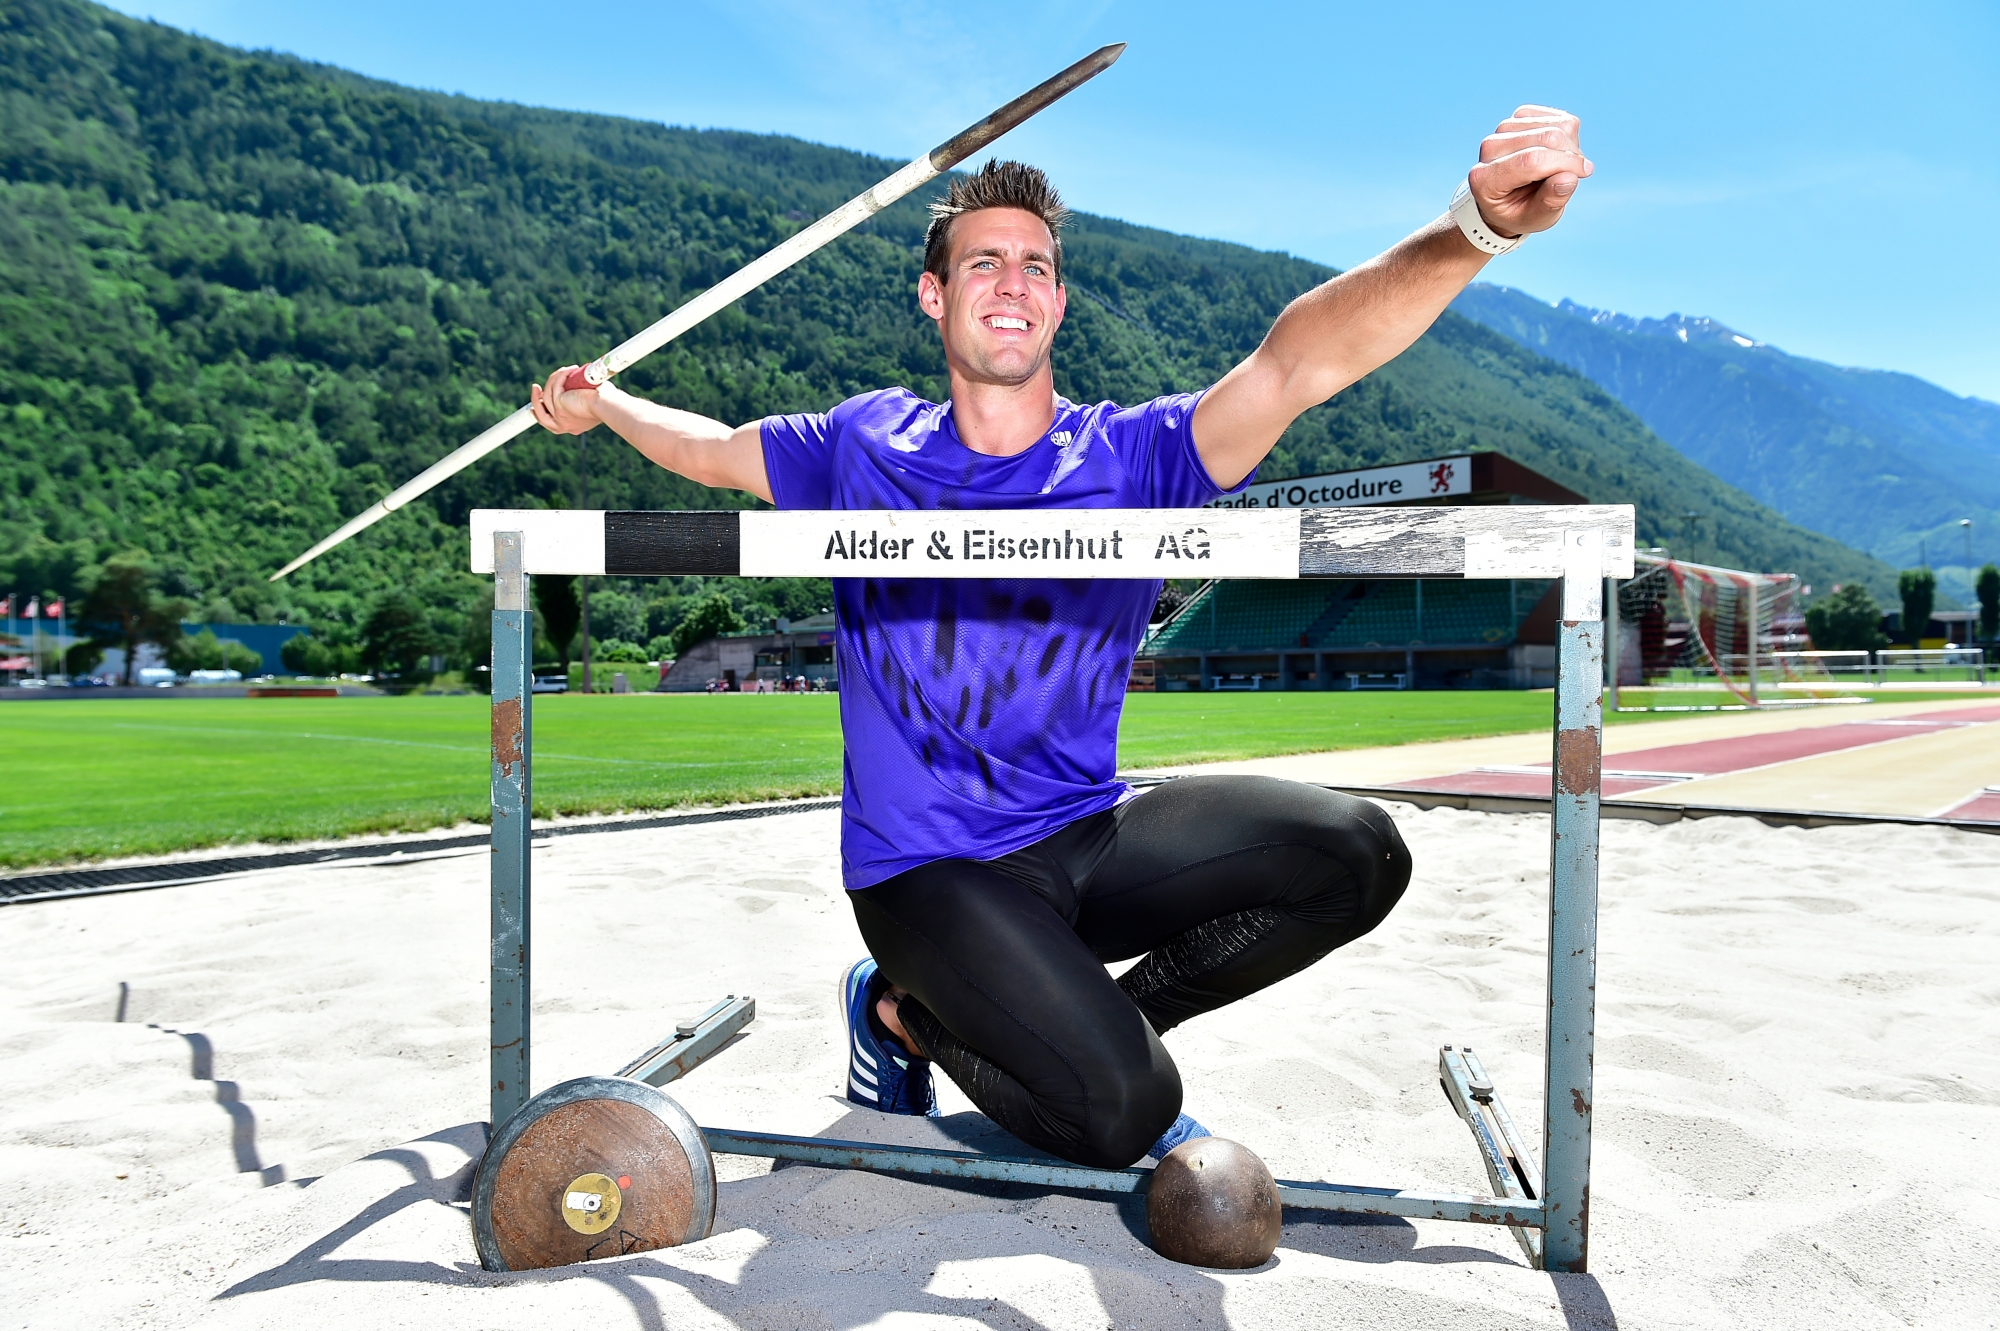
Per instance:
{"type": "Point", "coordinates": [703, 450]}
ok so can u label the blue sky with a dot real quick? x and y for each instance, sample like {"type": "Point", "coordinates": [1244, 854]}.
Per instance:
{"type": "Point", "coordinates": [1825, 177]}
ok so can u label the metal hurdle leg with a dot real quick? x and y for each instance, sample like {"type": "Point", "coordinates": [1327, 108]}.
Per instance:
{"type": "Point", "coordinates": [1578, 783]}
{"type": "Point", "coordinates": [513, 644]}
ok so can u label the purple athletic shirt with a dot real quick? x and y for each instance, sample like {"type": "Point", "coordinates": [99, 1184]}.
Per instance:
{"type": "Point", "coordinates": [980, 714]}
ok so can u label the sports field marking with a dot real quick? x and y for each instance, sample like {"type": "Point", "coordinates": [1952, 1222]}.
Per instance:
{"type": "Point", "coordinates": [1640, 770]}
{"type": "Point", "coordinates": [1983, 807]}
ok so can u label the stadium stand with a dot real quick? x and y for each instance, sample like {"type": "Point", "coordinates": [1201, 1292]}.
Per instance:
{"type": "Point", "coordinates": [1427, 634]}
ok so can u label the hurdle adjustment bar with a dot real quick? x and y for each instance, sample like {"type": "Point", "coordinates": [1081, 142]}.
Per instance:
{"type": "Point", "coordinates": [1510, 1167]}
{"type": "Point", "coordinates": [921, 1161]}
{"type": "Point", "coordinates": [1583, 545]}
{"type": "Point", "coordinates": [692, 1043]}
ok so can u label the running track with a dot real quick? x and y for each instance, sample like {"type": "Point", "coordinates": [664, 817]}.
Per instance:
{"type": "Point", "coordinates": [1649, 769]}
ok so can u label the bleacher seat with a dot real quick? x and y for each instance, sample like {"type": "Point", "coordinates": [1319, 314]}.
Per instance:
{"type": "Point", "coordinates": [1247, 615]}
{"type": "Point", "coordinates": [1274, 616]}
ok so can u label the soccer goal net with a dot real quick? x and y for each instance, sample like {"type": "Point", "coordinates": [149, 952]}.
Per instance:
{"type": "Point", "coordinates": [1703, 628]}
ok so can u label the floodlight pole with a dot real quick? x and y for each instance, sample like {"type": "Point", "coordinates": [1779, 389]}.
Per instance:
{"type": "Point", "coordinates": [1573, 850]}
{"type": "Point", "coordinates": [513, 808]}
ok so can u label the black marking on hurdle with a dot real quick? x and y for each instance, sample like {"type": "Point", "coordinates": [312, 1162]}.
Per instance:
{"type": "Point", "coordinates": [698, 541]}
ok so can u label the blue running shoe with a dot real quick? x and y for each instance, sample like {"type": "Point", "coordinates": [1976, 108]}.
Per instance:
{"type": "Point", "coordinates": [1184, 1129]}
{"type": "Point", "coordinates": [881, 1074]}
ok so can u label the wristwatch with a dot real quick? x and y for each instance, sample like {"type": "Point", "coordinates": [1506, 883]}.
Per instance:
{"type": "Point", "coordinates": [1465, 212]}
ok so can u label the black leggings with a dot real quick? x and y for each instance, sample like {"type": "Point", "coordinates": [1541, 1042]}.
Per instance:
{"type": "Point", "coordinates": [1226, 884]}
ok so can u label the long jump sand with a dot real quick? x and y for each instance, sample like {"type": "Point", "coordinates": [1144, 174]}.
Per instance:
{"type": "Point", "coordinates": [1798, 1107]}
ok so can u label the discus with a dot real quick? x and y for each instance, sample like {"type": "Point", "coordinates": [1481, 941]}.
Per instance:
{"type": "Point", "coordinates": [595, 1167]}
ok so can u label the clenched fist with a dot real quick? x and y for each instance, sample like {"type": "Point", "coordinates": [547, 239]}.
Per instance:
{"type": "Point", "coordinates": [564, 411]}
{"type": "Point", "coordinates": [1528, 170]}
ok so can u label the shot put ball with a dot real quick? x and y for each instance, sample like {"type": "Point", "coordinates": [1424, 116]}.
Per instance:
{"type": "Point", "coordinates": [1213, 1203]}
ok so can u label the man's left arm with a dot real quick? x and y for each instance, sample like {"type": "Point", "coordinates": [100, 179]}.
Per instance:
{"type": "Point", "coordinates": [1338, 332]}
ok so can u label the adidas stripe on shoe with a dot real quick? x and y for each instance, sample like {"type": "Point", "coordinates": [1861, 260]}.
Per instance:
{"type": "Point", "coordinates": [881, 1074]}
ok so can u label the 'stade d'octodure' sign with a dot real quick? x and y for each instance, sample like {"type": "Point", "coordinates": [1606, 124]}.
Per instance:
{"type": "Point", "coordinates": [1438, 478]}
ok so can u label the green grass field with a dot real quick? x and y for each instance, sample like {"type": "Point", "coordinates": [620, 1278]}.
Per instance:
{"type": "Point", "coordinates": [88, 779]}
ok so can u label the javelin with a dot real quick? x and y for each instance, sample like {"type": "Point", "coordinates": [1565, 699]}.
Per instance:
{"type": "Point", "coordinates": [738, 284]}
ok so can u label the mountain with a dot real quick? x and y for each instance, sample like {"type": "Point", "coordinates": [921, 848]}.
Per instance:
{"type": "Point", "coordinates": [1887, 461]}
{"type": "Point", "coordinates": [241, 295]}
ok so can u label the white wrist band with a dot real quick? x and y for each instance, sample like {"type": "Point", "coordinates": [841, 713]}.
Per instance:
{"type": "Point", "coordinates": [1465, 212]}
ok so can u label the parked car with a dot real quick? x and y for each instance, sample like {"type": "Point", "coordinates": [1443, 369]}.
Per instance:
{"type": "Point", "coordinates": [159, 677]}
{"type": "Point", "coordinates": [549, 684]}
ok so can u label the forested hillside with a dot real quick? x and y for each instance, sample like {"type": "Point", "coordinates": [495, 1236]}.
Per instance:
{"type": "Point", "coordinates": [242, 295]}
{"type": "Point", "coordinates": [1886, 460]}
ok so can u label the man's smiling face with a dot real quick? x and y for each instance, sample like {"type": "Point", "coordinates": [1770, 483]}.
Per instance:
{"type": "Point", "coordinates": [999, 312]}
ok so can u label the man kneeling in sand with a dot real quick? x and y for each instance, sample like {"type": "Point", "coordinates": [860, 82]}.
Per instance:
{"type": "Point", "coordinates": [994, 862]}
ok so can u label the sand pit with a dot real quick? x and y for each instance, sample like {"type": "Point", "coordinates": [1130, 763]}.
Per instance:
{"type": "Point", "coordinates": [1798, 1096]}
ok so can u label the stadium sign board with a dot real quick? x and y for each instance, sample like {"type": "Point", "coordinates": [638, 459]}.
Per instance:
{"type": "Point", "coordinates": [1439, 478]}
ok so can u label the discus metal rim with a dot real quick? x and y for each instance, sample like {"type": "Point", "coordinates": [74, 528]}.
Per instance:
{"type": "Point", "coordinates": [663, 1107]}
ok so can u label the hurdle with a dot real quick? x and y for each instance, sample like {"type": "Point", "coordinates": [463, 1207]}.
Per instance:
{"type": "Point", "coordinates": [1546, 1204]}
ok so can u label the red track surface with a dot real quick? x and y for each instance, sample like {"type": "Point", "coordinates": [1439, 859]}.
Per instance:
{"type": "Point", "coordinates": [1981, 808]}
{"type": "Point", "coordinates": [1645, 769]}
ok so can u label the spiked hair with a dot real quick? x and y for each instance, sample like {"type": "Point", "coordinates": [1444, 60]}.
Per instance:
{"type": "Point", "coordinates": [995, 185]}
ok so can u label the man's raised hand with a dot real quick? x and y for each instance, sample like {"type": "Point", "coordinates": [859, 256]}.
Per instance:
{"type": "Point", "coordinates": [1528, 170]}
{"type": "Point", "coordinates": [564, 411]}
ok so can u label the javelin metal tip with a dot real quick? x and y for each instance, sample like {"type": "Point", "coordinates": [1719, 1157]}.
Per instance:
{"type": "Point", "coordinates": [1038, 98]}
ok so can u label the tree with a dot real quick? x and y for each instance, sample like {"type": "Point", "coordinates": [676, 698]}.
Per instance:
{"type": "Point", "coordinates": [1918, 588]}
{"type": "Point", "coordinates": [710, 616]}
{"type": "Point", "coordinates": [124, 601]}
{"type": "Point", "coordinates": [1847, 621]}
{"type": "Point", "coordinates": [310, 654]}
{"type": "Point", "coordinates": [396, 642]}
{"type": "Point", "coordinates": [1173, 595]}
{"type": "Point", "coordinates": [614, 651]}
{"type": "Point", "coordinates": [204, 651]}
{"type": "Point", "coordinates": [560, 613]}
{"type": "Point", "coordinates": [1988, 587]}
{"type": "Point", "coordinates": [475, 643]}
{"type": "Point", "coordinates": [302, 654]}
{"type": "Point", "coordinates": [82, 657]}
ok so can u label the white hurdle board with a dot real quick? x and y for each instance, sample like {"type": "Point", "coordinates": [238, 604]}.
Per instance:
{"type": "Point", "coordinates": [1471, 541]}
